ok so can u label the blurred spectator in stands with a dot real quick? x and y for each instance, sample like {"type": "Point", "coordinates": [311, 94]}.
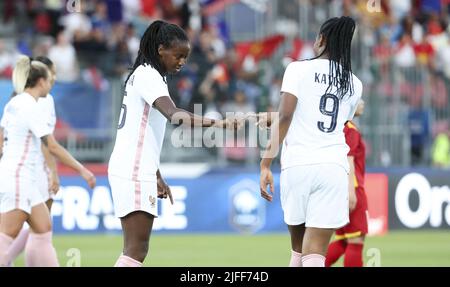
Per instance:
{"type": "Point", "coordinates": [77, 26]}
{"type": "Point", "coordinates": [420, 131]}
{"type": "Point", "coordinates": [131, 9]}
{"type": "Point", "coordinates": [54, 9]}
{"type": "Point", "coordinates": [239, 104]}
{"type": "Point", "coordinates": [132, 41]}
{"type": "Point", "coordinates": [404, 56]}
{"type": "Point", "coordinates": [441, 150]}
{"type": "Point", "coordinates": [115, 11]}
{"type": "Point", "coordinates": [444, 59]}
{"type": "Point", "coordinates": [400, 8]}
{"type": "Point", "coordinates": [64, 57]}
{"type": "Point", "coordinates": [424, 53]}
{"type": "Point", "coordinates": [42, 45]}
{"type": "Point", "coordinates": [7, 60]}
{"type": "Point", "coordinates": [122, 60]}
{"type": "Point", "coordinates": [191, 15]}
{"type": "Point", "coordinates": [99, 19]}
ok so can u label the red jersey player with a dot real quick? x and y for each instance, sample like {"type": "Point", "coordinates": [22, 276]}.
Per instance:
{"type": "Point", "coordinates": [350, 238]}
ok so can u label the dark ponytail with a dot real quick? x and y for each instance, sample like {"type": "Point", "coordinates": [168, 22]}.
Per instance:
{"type": "Point", "coordinates": [158, 33]}
{"type": "Point", "coordinates": [338, 34]}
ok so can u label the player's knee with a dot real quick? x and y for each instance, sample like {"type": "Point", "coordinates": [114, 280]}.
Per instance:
{"type": "Point", "coordinates": [315, 248]}
{"type": "Point", "coordinates": [356, 240]}
{"type": "Point", "coordinates": [42, 227]}
{"type": "Point", "coordinates": [137, 250]}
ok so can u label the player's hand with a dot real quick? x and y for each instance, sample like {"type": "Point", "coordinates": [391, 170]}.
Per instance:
{"type": "Point", "coordinates": [266, 178]}
{"type": "Point", "coordinates": [264, 120]}
{"type": "Point", "coordinates": [54, 183]}
{"type": "Point", "coordinates": [231, 123]}
{"type": "Point", "coordinates": [89, 177]}
{"type": "Point", "coordinates": [352, 200]}
{"type": "Point", "coordinates": [164, 189]}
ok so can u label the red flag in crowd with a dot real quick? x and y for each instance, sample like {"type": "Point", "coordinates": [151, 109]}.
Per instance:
{"type": "Point", "coordinates": [259, 49]}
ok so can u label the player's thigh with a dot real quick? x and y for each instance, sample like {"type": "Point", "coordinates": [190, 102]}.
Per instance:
{"type": "Point", "coordinates": [295, 187]}
{"type": "Point", "coordinates": [328, 201]}
{"type": "Point", "coordinates": [39, 219]}
{"type": "Point", "coordinates": [137, 227]}
{"type": "Point", "coordinates": [43, 183]}
{"type": "Point", "coordinates": [12, 222]}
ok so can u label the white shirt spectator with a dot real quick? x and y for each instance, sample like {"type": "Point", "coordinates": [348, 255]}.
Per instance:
{"type": "Point", "coordinates": [64, 57]}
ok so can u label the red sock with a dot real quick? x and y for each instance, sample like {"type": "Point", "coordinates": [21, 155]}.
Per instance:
{"type": "Point", "coordinates": [353, 255]}
{"type": "Point", "coordinates": [335, 250]}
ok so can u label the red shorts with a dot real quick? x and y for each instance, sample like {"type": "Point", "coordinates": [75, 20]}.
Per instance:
{"type": "Point", "coordinates": [358, 225]}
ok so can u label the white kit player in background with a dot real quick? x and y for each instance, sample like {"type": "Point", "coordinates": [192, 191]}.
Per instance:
{"type": "Point", "coordinates": [24, 126]}
{"type": "Point", "coordinates": [46, 172]}
{"type": "Point", "coordinates": [318, 96]}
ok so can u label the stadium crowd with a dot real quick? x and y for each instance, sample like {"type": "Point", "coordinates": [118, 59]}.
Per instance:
{"type": "Point", "coordinates": [102, 42]}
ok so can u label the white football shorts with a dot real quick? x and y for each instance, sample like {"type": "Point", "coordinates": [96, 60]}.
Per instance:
{"type": "Point", "coordinates": [129, 196]}
{"type": "Point", "coordinates": [316, 195]}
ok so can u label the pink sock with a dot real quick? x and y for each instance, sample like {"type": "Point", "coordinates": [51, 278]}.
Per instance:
{"type": "Point", "coordinates": [296, 259]}
{"type": "Point", "coordinates": [39, 251]}
{"type": "Point", "coordinates": [125, 261]}
{"type": "Point", "coordinates": [18, 245]}
{"type": "Point", "coordinates": [5, 242]}
{"type": "Point", "coordinates": [313, 260]}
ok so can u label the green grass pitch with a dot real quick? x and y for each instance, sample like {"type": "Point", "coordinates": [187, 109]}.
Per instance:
{"type": "Point", "coordinates": [405, 248]}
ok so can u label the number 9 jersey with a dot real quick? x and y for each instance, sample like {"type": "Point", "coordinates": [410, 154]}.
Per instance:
{"type": "Point", "coordinates": [316, 134]}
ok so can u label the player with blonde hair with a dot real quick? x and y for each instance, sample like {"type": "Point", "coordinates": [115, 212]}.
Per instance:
{"type": "Point", "coordinates": [23, 127]}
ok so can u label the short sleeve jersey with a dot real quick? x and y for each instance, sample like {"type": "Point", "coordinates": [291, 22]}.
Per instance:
{"type": "Point", "coordinates": [141, 127]}
{"type": "Point", "coordinates": [316, 135]}
{"type": "Point", "coordinates": [23, 124]}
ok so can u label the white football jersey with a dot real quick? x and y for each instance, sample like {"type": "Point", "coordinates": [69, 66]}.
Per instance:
{"type": "Point", "coordinates": [316, 134]}
{"type": "Point", "coordinates": [47, 105]}
{"type": "Point", "coordinates": [24, 124]}
{"type": "Point", "coordinates": [141, 127]}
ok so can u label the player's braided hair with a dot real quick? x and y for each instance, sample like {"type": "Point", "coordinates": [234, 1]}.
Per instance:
{"type": "Point", "coordinates": [338, 34]}
{"type": "Point", "coordinates": [158, 33]}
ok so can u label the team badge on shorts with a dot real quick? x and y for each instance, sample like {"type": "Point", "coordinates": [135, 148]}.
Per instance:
{"type": "Point", "coordinates": [152, 201]}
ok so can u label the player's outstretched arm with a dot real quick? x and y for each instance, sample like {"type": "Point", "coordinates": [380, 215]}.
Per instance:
{"type": "Point", "coordinates": [67, 159]}
{"type": "Point", "coordinates": [178, 116]}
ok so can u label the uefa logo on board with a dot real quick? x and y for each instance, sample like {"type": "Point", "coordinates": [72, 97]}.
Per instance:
{"type": "Point", "coordinates": [247, 209]}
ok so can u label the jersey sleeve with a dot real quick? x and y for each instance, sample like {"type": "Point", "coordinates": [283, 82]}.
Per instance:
{"type": "Point", "coordinates": [37, 121]}
{"type": "Point", "coordinates": [150, 85]}
{"type": "Point", "coordinates": [352, 139]}
{"type": "Point", "coordinates": [292, 79]}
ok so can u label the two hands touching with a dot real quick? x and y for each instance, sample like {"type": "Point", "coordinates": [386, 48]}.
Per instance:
{"type": "Point", "coordinates": [236, 122]}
